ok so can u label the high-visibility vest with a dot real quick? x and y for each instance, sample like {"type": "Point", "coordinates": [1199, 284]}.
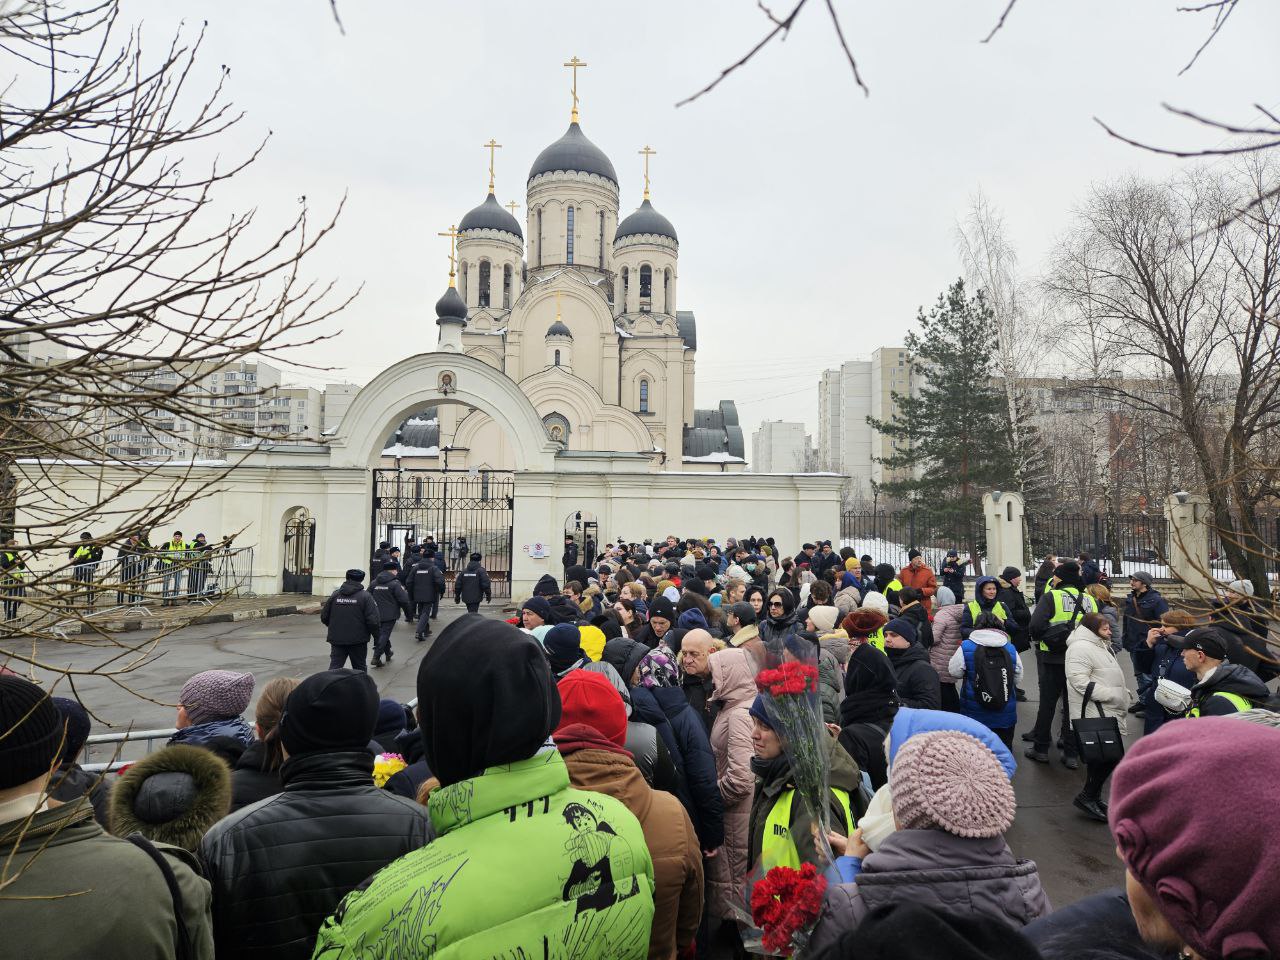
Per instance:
{"type": "Point", "coordinates": [14, 563]}
{"type": "Point", "coordinates": [171, 548]}
{"type": "Point", "coordinates": [83, 553]}
{"type": "Point", "coordinates": [895, 585]}
{"type": "Point", "coordinates": [777, 849]}
{"type": "Point", "coordinates": [1241, 704]}
{"type": "Point", "coordinates": [975, 608]}
{"type": "Point", "coordinates": [877, 639]}
{"type": "Point", "coordinates": [1060, 612]}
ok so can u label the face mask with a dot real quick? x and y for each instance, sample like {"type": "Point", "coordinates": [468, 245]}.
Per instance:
{"type": "Point", "coordinates": [750, 567]}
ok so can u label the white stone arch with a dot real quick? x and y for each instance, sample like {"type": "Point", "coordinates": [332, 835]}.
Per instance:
{"type": "Point", "coordinates": [418, 382]}
{"type": "Point", "coordinates": [555, 390]}
{"type": "Point", "coordinates": [491, 357]}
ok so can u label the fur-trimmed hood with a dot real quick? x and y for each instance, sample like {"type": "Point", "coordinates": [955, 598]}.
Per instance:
{"type": "Point", "coordinates": [172, 796]}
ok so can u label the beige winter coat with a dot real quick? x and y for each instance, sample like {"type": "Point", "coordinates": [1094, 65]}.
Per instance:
{"type": "Point", "coordinates": [1090, 660]}
{"type": "Point", "coordinates": [733, 685]}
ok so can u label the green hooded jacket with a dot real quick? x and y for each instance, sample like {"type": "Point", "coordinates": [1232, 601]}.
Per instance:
{"type": "Point", "coordinates": [522, 866]}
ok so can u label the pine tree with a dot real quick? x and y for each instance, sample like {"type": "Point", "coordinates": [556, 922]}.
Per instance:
{"type": "Point", "coordinates": [951, 437]}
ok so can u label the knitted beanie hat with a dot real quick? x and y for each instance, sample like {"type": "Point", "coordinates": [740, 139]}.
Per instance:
{"type": "Point", "coordinates": [216, 695]}
{"type": "Point", "coordinates": [1212, 877]}
{"type": "Point", "coordinates": [950, 781]}
{"type": "Point", "coordinates": [539, 606]}
{"type": "Point", "coordinates": [30, 731]}
{"type": "Point", "coordinates": [588, 698]}
{"type": "Point", "coordinates": [824, 618]}
{"type": "Point", "coordinates": [76, 718]}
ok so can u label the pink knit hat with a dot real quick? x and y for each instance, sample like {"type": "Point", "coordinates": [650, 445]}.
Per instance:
{"type": "Point", "coordinates": [216, 695]}
{"type": "Point", "coordinates": [948, 780]}
{"type": "Point", "coordinates": [1204, 851]}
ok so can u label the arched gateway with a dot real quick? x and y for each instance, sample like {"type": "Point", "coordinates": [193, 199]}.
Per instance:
{"type": "Point", "coordinates": [464, 511]}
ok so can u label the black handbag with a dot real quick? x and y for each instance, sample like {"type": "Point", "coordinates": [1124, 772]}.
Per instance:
{"type": "Point", "coordinates": [1098, 739]}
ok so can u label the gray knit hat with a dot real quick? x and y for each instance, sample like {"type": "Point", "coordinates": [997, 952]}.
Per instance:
{"type": "Point", "coordinates": [216, 695]}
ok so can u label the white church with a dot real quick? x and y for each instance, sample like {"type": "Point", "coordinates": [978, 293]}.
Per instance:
{"type": "Point", "coordinates": [559, 399]}
{"type": "Point", "coordinates": [585, 319]}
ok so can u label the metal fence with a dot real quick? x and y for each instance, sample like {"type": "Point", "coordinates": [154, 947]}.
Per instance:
{"type": "Point", "coordinates": [1123, 544]}
{"type": "Point", "coordinates": [113, 746]}
{"type": "Point", "coordinates": [131, 580]}
{"type": "Point", "coordinates": [1267, 545]}
{"type": "Point", "coordinates": [887, 535]}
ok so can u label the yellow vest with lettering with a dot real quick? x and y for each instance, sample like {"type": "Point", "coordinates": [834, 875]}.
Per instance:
{"type": "Point", "coordinates": [777, 849]}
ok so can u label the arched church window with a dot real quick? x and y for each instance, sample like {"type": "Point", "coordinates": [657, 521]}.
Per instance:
{"type": "Point", "coordinates": [506, 287]}
{"type": "Point", "coordinates": [626, 283]}
{"type": "Point", "coordinates": [666, 290]}
{"type": "Point", "coordinates": [646, 286]}
{"type": "Point", "coordinates": [483, 284]}
{"type": "Point", "coordinates": [644, 396]}
{"type": "Point", "coordinates": [557, 358]}
{"type": "Point", "coordinates": [568, 237]}
{"type": "Point", "coordinates": [539, 263]}
{"type": "Point", "coordinates": [462, 281]}
{"type": "Point", "coordinates": [601, 239]}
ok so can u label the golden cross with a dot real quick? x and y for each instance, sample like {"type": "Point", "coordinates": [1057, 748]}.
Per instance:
{"type": "Point", "coordinates": [452, 234]}
{"type": "Point", "coordinates": [574, 64]}
{"type": "Point", "coordinates": [492, 146]}
{"type": "Point", "coordinates": [512, 206]}
{"type": "Point", "coordinates": [647, 152]}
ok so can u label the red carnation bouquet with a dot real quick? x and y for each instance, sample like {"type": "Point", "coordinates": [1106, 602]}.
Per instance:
{"type": "Point", "coordinates": [785, 904]}
{"type": "Point", "coordinates": [790, 693]}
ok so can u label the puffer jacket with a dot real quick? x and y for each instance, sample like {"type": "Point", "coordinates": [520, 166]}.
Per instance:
{"type": "Point", "coordinates": [249, 782]}
{"type": "Point", "coordinates": [847, 600]}
{"type": "Point", "coordinates": [390, 596]}
{"type": "Point", "coordinates": [962, 669]}
{"type": "Point", "coordinates": [976, 877]}
{"type": "Point", "coordinates": [918, 684]}
{"type": "Point", "coordinates": [946, 639]}
{"type": "Point", "coordinates": [835, 651]}
{"type": "Point", "coordinates": [523, 865]}
{"type": "Point", "coordinates": [1161, 661]}
{"type": "Point", "coordinates": [677, 860]}
{"type": "Point", "coordinates": [687, 742]}
{"type": "Point", "coordinates": [280, 866]}
{"type": "Point", "coordinates": [1090, 660]}
{"type": "Point", "coordinates": [352, 615]}
{"type": "Point", "coordinates": [79, 892]}
{"type": "Point", "coordinates": [1227, 678]}
{"type": "Point", "coordinates": [843, 774]}
{"type": "Point", "coordinates": [733, 687]}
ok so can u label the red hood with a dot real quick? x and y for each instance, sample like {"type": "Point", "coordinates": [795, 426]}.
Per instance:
{"type": "Point", "coordinates": [580, 736]}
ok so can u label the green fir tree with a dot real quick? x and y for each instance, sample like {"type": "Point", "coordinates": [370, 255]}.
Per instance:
{"type": "Point", "coordinates": [951, 436]}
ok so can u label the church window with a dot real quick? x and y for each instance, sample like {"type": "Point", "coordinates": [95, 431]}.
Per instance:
{"type": "Point", "coordinates": [626, 283]}
{"type": "Point", "coordinates": [646, 286]}
{"type": "Point", "coordinates": [539, 263]}
{"type": "Point", "coordinates": [601, 239]}
{"type": "Point", "coordinates": [557, 358]}
{"type": "Point", "coordinates": [666, 290]}
{"type": "Point", "coordinates": [644, 396]}
{"type": "Point", "coordinates": [462, 283]}
{"type": "Point", "coordinates": [568, 239]}
{"type": "Point", "coordinates": [483, 284]}
{"type": "Point", "coordinates": [506, 287]}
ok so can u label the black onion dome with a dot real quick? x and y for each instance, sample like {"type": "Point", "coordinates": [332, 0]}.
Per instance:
{"type": "Point", "coordinates": [645, 220]}
{"type": "Point", "coordinates": [574, 152]}
{"type": "Point", "coordinates": [558, 329]}
{"type": "Point", "coordinates": [491, 215]}
{"type": "Point", "coordinates": [450, 306]}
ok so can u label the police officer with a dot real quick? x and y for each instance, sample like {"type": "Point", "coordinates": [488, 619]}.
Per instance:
{"type": "Point", "coordinates": [392, 600]}
{"type": "Point", "coordinates": [173, 555]}
{"type": "Point", "coordinates": [1222, 687]}
{"type": "Point", "coordinates": [1055, 616]}
{"type": "Point", "coordinates": [133, 558]}
{"type": "Point", "coordinates": [570, 556]}
{"type": "Point", "coordinates": [472, 585]}
{"type": "Point", "coordinates": [425, 590]}
{"type": "Point", "coordinates": [353, 619]}
{"type": "Point", "coordinates": [199, 551]}
{"type": "Point", "coordinates": [13, 575]}
{"type": "Point", "coordinates": [85, 556]}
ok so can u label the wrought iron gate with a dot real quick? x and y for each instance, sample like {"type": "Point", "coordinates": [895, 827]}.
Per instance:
{"type": "Point", "coordinates": [299, 554]}
{"type": "Point", "coordinates": [448, 506]}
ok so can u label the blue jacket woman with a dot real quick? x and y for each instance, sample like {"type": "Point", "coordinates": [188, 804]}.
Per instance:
{"type": "Point", "coordinates": [961, 667]}
{"type": "Point", "coordinates": [1160, 661]}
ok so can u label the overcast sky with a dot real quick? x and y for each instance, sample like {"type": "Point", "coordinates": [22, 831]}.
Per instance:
{"type": "Point", "coordinates": [813, 221]}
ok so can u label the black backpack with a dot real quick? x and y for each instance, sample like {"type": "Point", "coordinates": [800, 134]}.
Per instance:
{"type": "Point", "coordinates": [992, 677]}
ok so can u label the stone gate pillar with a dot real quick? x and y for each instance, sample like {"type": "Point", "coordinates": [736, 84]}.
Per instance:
{"type": "Point", "coordinates": [1003, 511]}
{"type": "Point", "coordinates": [1188, 518]}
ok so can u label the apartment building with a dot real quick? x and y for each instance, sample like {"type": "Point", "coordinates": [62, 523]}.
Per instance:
{"type": "Point", "coordinates": [847, 396]}
{"type": "Point", "coordinates": [779, 446]}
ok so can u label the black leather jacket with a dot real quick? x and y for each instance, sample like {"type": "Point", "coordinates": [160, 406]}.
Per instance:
{"type": "Point", "coordinates": [280, 866]}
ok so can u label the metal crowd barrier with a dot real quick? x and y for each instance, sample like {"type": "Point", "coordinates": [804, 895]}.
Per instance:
{"type": "Point", "coordinates": [108, 586]}
{"type": "Point", "coordinates": [149, 737]}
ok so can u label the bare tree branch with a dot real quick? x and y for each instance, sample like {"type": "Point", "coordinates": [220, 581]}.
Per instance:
{"type": "Point", "coordinates": [1000, 23]}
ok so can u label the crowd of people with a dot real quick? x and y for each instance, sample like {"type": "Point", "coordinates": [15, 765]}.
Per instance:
{"type": "Point", "coordinates": [600, 776]}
